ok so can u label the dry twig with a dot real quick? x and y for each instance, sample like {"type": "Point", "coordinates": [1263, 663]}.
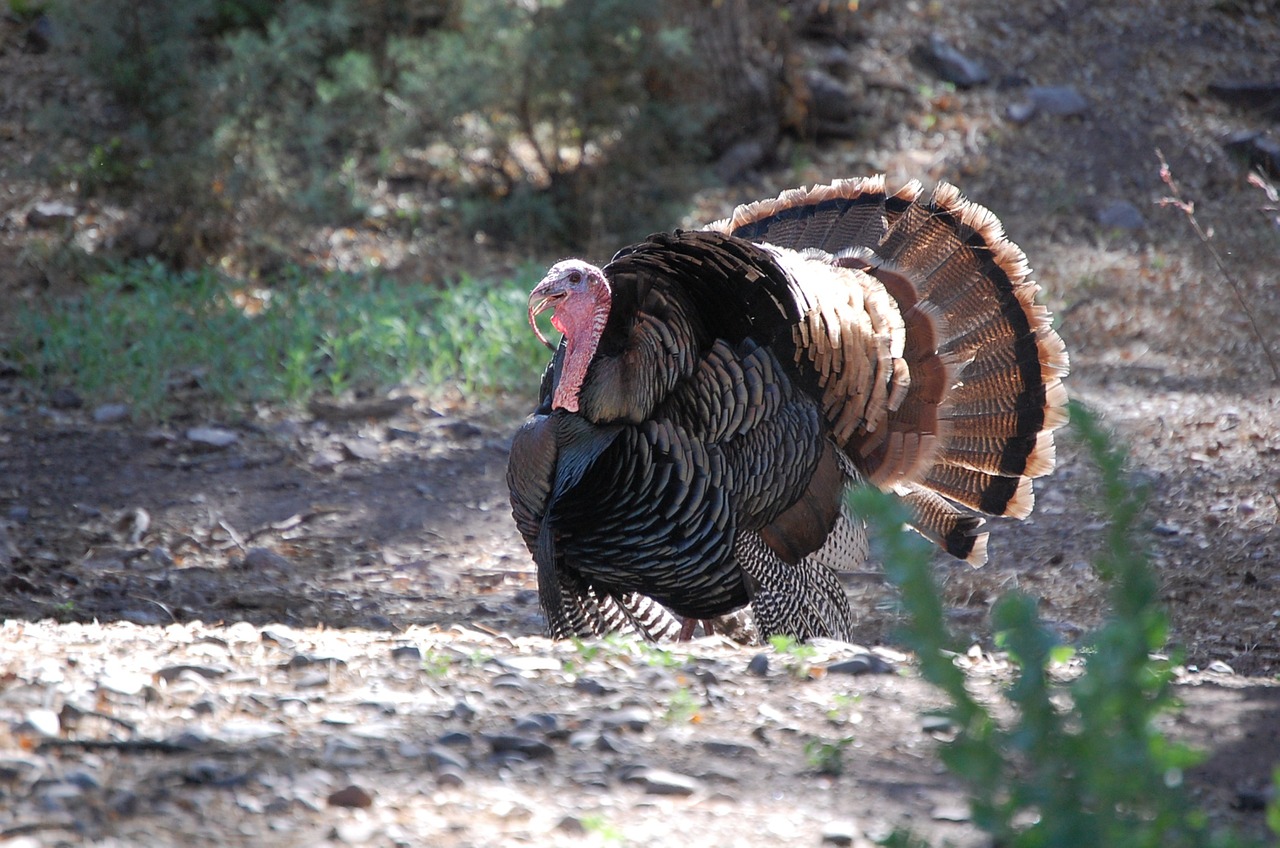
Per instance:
{"type": "Point", "coordinates": [1188, 208]}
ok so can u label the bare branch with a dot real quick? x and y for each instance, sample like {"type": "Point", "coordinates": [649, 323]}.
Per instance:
{"type": "Point", "coordinates": [1188, 208]}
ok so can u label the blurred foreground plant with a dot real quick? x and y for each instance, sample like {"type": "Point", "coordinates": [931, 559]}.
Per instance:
{"type": "Point", "coordinates": [1096, 771]}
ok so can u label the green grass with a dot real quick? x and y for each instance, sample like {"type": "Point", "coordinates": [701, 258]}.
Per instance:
{"type": "Point", "coordinates": [145, 335]}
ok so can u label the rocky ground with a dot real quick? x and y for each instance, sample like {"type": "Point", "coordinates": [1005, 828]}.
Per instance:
{"type": "Point", "coordinates": [306, 626]}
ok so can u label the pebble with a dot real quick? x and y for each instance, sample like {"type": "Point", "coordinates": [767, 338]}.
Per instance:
{"type": "Point", "coordinates": [1058, 100]}
{"type": "Point", "coordinates": [110, 413]}
{"type": "Point", "coordinates": [364, 449]}
{"type": "Point", "coordinates": [730, 750]}
{"type": "Point", "coordinates": [439, 757]}
{"type": "Point", "coordinates": [951, 813]}
{"type": "Point", "coordinates": [212, 437]}
{"type": "Point", "coordinates": [171, 673]}
{"type": "Point", "coordinates": [506, 743]}
{"type": "Point", "coordinates": [406, 653]}
{"type": "Point", "coordinates": [1219, 667]}
{"type": "Point", "coordinates": [265, 559]}
{"type": "Point", "coordinates": [350, 796]}
{"type": "Point", "coordinates": [529, 663]}
{"type": "Point", "coordinates": [591, 686]}
{"type": "Point", "coordinates": [936, 724]}
{"type": "Point", "coordinates": [951, 65]}
{"type": "Point", "coordinates": [759, 665]}
{"type": "Point", "coordinates": [632, 718]}
{"type": "Point", "coordinates": [450, 777]}
{"type": "Point", "coordinates": [662, 782]}
{"type": "Point", "coordinates": [571, 825]}
{"type": "Point", "coordinates": [455, 739]}
{"type": "Point", "coordinates": [123, 682]}
{"type": "Point", "coordinates": [861, 664]}
{"type": "Point", "coordinates": [43, 722]}
{"type": "Point", "coordinates": [839, 832]}
{"type": "Point", "coordinates": [537, 723]}
{"type": "Point", "coordinates": [312, 680]}
{"type": "Point", "coordinates": [1121, 215]}
{"type": "Point", "coordinates": [48, 213]}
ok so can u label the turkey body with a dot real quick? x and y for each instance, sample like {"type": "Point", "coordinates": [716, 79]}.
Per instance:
{"type": "Point", "coordinates": [717, 392]}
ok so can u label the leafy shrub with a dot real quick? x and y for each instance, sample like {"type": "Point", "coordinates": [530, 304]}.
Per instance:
{"type": "Point", "coordinates": [575, 121]}
{"type": "Point", "coordinates": [1098, 772]}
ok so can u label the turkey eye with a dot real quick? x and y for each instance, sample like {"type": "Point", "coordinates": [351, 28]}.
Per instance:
{"type": "Point", "coordinates": [575, 276]}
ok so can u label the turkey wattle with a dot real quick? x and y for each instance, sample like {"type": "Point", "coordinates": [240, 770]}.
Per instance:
{"type": "Point", "coordinates": [716, 392]}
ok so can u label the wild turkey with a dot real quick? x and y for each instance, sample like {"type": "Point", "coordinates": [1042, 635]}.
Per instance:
{"type": "Point", "coordinates": [717, 391]}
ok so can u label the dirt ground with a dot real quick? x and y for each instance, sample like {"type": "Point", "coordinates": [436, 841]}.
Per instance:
{"type": "Point", "coordinates": [209, 635]}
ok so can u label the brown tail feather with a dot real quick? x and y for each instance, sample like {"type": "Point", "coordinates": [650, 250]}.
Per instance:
{"type": "Point", "coordinates": [968, 397]}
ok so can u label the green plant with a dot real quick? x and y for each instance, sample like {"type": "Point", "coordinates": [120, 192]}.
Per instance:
{"type": "Point", "coordinates": [604, 830]}
{"type": "Point", "coordinates": [436, 664]}
{"type": "Point", "coordinates": [796, 652]}
{"type": "Point", "coordinates": [144, 334]}
{"type": "Point", "coordinates": [1096, 772]}
{"type": "Point", "coordinates": [683, 707]}
{"type": "Point", "coordinates": [827, 757]}
{"type": "Point", "coordinates": [842, 707]}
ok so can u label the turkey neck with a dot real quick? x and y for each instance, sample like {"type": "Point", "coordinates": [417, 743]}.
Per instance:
{"type": "Point", "coordinates": [647, 346]}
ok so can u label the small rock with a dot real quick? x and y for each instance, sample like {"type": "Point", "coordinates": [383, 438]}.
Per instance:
{"type": "Point", "coordinates": [1257, 150]}
{"type": "Point", "coordinates": [356, 832]}
{"type": "Point", "coordinates": [591, 686]}
{"type": "Point", "coordinates": [840, 832]}
{"type": "Point", "coordinates": [19, 513]}
{"type": "Point", "coordinates": [529, 663]}
{"type": "Point", "coordinates": [951, 813]}
{"type": "Point", "coordinates": [583, 739]}
{"type": "Point", "coordinates": [123, 682]}
{"type": "Point", "coordinates": [611, 744]}
{"type": "Point", "coordinates": [730, 750]}
{"type": "Point", "coordinates": [39, 36]}
{"type": "Point", "coordinates": [406, 653]}
{"type": "Point", "coordinates": [662, 782]}
{"type": "Point", "coordinates": [509, 681]}
{"type": "Point", "coordinates": [350, 796]}
{"type": "Point", "coordinates": [365, 449]}
{"type": "Point", "coordinates": [1121, 215]}
{"type": "Point", "coordinates": [42, 722]}
{"type": "Point", "coordinates": [276, 638]}
{"type": "Point", "coordinates": [455, 739]}
{"type": "Point", "coordinates": [534, 749]}
{"type": "Point", "coordinates": [537, 723]}
{"type": "Point", "coordinates": [110, 413]}
{"type": "Point", "coordinates": [759, 665]}
{"type": "Point", "coordinates": [632, 718]}
{"type": "Point", "coordinates": [1254, 799]}
{"type": "Point", "coordinates": [950, 64]}
{"type": "Point", "coordinates": [172, 672]}
{"type": "Point", "coordinates": [861, 664]}
{"type": "Point", "coordinates": [572, 825]}
{"type": "Point", "coordinates": [439, 757]}
{"type": "Point", "coordinates": [936, 724]}
{"type": "Point", "coordinates": [1058, 100]}
{"type": "Point", "coordinates": [212, 437]}
{"type": "Point", "coordinates": [1249, 94]}
{"type": "Point", "coordinates": [450, 777]}
{"type": "Point", "coordinates": [48, 213]}
{"type": "Point", "coordinates": [312, 680]}
{"type": "Point", "coordinates": [265, 559]}
{"type": "Point", "coordinates": [740, 159]}
{"type": "Point", "coordinates": [65, 399]}
{"type": "Point", "coordinates": [1219, 667]}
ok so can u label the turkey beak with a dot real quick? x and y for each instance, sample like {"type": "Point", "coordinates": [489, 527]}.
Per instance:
{"type": "Point", "coordinates": [540, 300]}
